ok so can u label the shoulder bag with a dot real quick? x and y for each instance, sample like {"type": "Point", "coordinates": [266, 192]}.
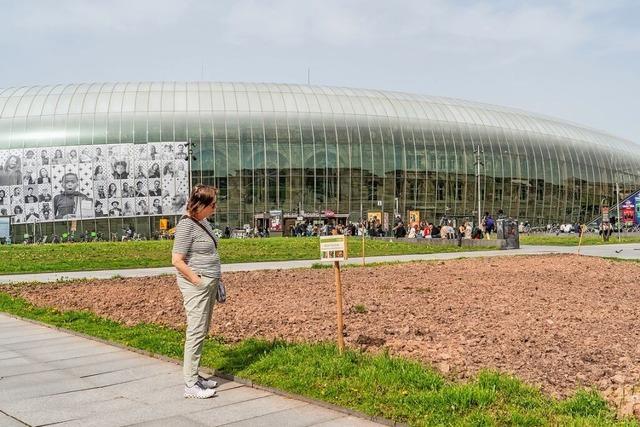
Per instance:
{"type": "Point", "coordinates": [221, 294]}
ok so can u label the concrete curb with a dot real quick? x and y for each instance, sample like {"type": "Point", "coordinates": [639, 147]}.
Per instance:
{"type": "Point", "coordinates": [230, 377]}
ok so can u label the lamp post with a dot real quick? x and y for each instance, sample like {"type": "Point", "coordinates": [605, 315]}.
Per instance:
{"type": "Point", "coordinates": [618, 203]}
{"type": "Point", "coordinates": [190, 157]}
{"type": "Point", "coordinates": [477, 151]}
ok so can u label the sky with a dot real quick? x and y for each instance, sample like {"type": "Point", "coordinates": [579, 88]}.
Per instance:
{"type": "Point", "coordinates": [577, 60]}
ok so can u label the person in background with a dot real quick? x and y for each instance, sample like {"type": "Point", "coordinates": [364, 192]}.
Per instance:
{"type": "Point", "coordinates": [99, 213]}
{"type": "Point", "coordinates": [44, 158]}
{"type": "Point", "coordinates": [195, 257]}
{"type": "Point", "coordinates": [30, 197]}
{"type": "Point", "coordinates": [143, 207]}
{"type": "Point", "coordinates": [11, 174]}
{"type": "Point", "coordinates": [115, 209]}
{"type": "Point", "coordinates": [120, 170]}
{"type": "Point", "coordinates": [157, 207]}
{"type": "Point", "coordinates": [43, 176]}
{"type": "Point", "coordinates": [58, 159]}
{"type": "Point", "coordinates": [98, 173]}
{"type": "Point", "coordinates": [112, 191]}
{"type": "Point", "coordinates": [64, 204]}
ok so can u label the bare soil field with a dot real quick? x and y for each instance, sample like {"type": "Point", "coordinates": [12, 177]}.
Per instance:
{"type": "Point", "coordinates": [559, 321]}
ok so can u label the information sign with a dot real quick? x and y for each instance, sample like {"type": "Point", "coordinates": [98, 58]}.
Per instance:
{"type": "Point", "coordinates": [333, 248]}
{"type": "Point", "coordinates": [5, 227]}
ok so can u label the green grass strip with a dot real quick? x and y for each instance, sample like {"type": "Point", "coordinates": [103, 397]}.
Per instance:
{"type": "Point", "coordinates": [572, 240]}
{"type": "Point", "coordinates": [378, 385]}
{"type": "Point", "coordinates": [157, 253]}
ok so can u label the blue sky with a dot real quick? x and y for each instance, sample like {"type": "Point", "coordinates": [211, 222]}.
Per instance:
{"type": "Point", "coordinates": [575, 59]}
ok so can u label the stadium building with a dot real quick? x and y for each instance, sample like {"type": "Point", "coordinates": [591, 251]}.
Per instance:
{"type": "Point", "coordinates": [102, 156]}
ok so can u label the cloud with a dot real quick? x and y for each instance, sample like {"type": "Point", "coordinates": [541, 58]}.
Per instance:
{"type": "Point", "coordinates": [93, 17]}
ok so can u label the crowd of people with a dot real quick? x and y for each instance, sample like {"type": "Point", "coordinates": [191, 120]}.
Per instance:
{"type": "Point", "coordinates": [447, 228]}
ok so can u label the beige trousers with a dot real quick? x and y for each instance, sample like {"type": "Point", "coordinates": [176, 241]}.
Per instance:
{"type": "Point", "coordinates": [198, 301]}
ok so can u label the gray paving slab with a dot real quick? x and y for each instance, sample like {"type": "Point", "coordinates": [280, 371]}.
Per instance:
{"type": "Point", "coordinates": [176, 421]}
{"type": "Point", "coordinates": [300, 416]}
{"type": "Point", "coordinates": [15, 373]}
{"type": "Point", "coordinates": [244, 410]}
{"type": "Point", "coordinates": [52, 345]}
{"type": "Point", "coordinates": [14, 361]}
{"type": "Point", "coordinates": [7, 421]}
{"type": "Point", "coordinates": [117, 354]}
{"type": "Point", "coordinates": [347, 422]}
{"type": "Point", "coordinates": [15, 337]}
{"type": "Point", "coordinates": [64, 400]}
{"type": "Point", "coordinates": [85, 413]}
{"type": "Point", "coordinates": [112, 366]}
{"type": "Point", "coordinates": [48, 343]}
{"type": "Point", "coordinates": [150, 371]}
{"type": "Point", "coordinates": [8, 354]}
{"type": "Point", "coordinates": [72, 353]}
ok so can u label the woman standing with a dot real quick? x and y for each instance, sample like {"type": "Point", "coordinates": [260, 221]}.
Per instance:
{"type": "Point", "coordinates": [195, 257]}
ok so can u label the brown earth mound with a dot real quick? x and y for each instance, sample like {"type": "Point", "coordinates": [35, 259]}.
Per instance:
{"type": "Point", "coordinates": [558, 321]}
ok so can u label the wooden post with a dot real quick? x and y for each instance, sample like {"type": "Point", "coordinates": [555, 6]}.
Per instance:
{"type": "Point", "coordinates": [581, 229]}
{"type": "Point", "coordinates": [336, 268]}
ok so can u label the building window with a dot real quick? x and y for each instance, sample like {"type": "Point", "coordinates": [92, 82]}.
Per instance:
{"type": "Point", "coordinates": [458, 190]}
{"type": "Point", "coordinates": [540, 191]}
{"type": "Point", "coordinates": [440, 190]}
{"type": "Point", "coordinates": [523, 192]}
{"type": "Point", "coordinates": [372, 190]}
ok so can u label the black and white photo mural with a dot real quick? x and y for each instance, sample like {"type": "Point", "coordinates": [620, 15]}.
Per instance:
{"type": "Point", "coordinates": [93, 181]}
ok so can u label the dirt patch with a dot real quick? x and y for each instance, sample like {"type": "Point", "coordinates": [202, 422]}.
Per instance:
{"type": "Point", "coordinates": [557, 321]}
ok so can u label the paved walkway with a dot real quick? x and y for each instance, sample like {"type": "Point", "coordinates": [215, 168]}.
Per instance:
{"type": "Point", "coordinates": [625, 251]}
{"type": "Point", "coordinates": [53, 377]}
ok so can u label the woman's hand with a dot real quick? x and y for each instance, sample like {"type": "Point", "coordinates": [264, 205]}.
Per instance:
{"type": "Point", "coordinates": [178, 262]}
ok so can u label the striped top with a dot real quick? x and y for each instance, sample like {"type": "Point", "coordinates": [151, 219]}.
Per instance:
{"type": "Point", "coordinates": [200, 252]}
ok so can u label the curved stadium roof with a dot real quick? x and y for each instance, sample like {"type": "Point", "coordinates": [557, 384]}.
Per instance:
{"type": "Point", "coordinates": [290, 99]}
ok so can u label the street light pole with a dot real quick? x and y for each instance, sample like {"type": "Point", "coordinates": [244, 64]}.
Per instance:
{"type": "Point", "coordinates": [618, 203]}
{"type": "Point", "coordinates": [478, 163]}
{"type": "Point", "coordinates": [189, 156]}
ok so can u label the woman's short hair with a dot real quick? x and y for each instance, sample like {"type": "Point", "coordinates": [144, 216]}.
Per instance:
{"type": "Point", "coordinates": [201, 196]}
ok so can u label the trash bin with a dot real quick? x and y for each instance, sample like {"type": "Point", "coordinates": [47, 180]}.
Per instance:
{"type": "Point", "coordinates": [507, 229]}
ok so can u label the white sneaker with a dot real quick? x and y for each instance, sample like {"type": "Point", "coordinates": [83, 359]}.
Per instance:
{"type": "Point", "coordinates": [198, 391]}
{"type": "Point", "coordinates": [207, 383]}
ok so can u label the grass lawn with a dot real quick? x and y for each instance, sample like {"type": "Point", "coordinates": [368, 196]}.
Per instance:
{"type": "Point", "coordinates": [572, 239]}
{"type": "Point", "coordinates": [157, 253]}
{"type": "Point", "coordinates": [381, 385]}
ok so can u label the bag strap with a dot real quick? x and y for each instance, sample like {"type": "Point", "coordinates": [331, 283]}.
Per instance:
{"type": "Point", "coordinates": [215, 243]}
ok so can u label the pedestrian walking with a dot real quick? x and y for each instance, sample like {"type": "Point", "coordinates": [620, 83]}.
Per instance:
{"type": "Point", "coordinates": [195, 257]}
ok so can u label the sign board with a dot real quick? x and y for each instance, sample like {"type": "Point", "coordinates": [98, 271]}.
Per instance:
{"type": "Point", "coordinates": [164, 224]}
{"type": "Point", "coordinates": [276, 220]}
{"type": "Point", "coordinates": [5, 227]}
{"type": "Point", "coordinates": [605, 214]}
{"type": "Point", "coordinates": [385, 223]}
{"type": "Point", "coordinates": [379, 202]}
{"type": "Point", "coordinates": [374, 216]}
{"type": "Point", "coordinates": [414, 217]}
{"type": "Point", "coordinates": [333, 248]}
{"type": "Point", "coordinates": [628, 212]}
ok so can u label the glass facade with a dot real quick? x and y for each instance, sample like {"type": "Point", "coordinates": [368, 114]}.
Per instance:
{"type": "Point", "coordinates": [307, 148]}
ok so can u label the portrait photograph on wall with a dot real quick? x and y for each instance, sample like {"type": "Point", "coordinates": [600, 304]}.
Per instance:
{"type": "Point", "coordinates": [93, 181]}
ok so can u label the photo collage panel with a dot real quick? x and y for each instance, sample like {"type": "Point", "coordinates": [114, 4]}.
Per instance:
{"type": "Point", "coordinates": [86, 182]}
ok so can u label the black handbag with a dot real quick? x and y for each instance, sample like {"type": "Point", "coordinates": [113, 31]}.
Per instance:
{"type": "Point", "coordinates": [221, 293]}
